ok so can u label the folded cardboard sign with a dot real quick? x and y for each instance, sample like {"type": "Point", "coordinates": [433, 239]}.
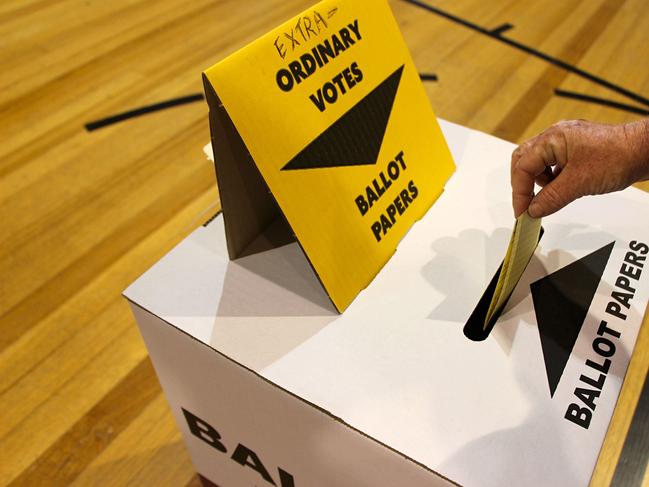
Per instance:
{"type": "Point", "coordinates": [322, 129]}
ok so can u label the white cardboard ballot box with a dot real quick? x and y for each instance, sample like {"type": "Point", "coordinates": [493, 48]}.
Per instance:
{"type": "Point", "coordinates": [271, 386]}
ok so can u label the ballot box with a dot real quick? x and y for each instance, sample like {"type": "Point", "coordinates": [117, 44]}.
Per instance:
{"type": "Point", "coordinates": [271, 385]}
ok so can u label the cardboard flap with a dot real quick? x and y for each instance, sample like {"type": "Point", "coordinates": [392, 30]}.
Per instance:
{"type": "Point", "coordinates": [249, 208]}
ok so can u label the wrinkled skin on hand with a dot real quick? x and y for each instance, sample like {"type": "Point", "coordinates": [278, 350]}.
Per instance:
{"type": "Point", "coordinates": [576, 158]}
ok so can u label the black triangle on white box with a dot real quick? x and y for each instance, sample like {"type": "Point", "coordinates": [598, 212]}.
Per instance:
{"type": "Point", "coordinates": [561, 303]}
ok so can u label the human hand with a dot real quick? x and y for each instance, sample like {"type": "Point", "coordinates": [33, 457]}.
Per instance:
{"type": "Point", "coordinates": [576, 158]}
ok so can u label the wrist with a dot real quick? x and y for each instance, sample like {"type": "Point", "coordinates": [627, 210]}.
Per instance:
{"type": "Point", "coordinates": [644, 151]}
{"type": "Point", "coordinates": [637, 136]}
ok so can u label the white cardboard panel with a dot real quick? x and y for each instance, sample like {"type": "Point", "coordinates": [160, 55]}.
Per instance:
{"type": "Point", "coordinates": [281, 430]}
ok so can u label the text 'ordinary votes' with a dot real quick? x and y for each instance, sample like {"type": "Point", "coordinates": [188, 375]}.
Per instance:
{"type": "Point", "coordinates": [320, 55]}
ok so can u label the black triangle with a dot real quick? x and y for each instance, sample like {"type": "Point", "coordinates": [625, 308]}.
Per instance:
{"type": "Point", "coordinates": [355, 138]}
{"type": "Point", "coordinates": [561, 302]}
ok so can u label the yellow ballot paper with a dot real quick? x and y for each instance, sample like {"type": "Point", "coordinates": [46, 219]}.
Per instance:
{"type": "Point", "coordinates": [323, 124]}
{"type": "Point", "coordinates": [525, 238]}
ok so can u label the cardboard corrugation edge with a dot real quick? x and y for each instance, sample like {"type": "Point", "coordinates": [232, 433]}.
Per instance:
{"type": "Point", "coordinates": [236, 173]}
{"type": "Point", "coordinates": [306, 402]}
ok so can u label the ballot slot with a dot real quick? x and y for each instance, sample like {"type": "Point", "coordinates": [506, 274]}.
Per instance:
{"type": "Point", "coordinates": [475, 328]}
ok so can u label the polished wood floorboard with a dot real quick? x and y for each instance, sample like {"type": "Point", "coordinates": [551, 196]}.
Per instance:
{"type": "Point", "coordinates": [84, 213]}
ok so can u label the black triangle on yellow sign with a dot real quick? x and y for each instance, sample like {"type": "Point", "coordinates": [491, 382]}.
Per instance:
{"type": "Point", "coordinates": [355, 138]}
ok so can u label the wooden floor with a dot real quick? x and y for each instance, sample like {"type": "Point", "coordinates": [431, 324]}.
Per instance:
{"type": "Point", "coordinates": [84, 213]}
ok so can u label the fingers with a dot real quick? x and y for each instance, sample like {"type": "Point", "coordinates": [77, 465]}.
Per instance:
{"type": "Point", "coordinates": [569, 160]}
{"type": "Point", "coordinates": [540, 160]}
{"type": "Point", "coordinates": [546, 176]}
{"type": "Point", "coordinates": [529, 163]}
{"type": "Point", "coordinates": [554, 196]}
{"type": "Point", "coordinates": [521, 203]}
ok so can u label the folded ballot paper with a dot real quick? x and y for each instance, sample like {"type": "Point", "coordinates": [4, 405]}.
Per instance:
{"type": "Point", "coordinates": [524, 240]}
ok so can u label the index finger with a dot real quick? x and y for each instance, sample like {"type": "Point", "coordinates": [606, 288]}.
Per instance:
{"type": "Point", "coordinates": [530, 163]}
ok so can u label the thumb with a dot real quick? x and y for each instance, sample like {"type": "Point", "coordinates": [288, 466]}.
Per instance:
{"type": "Point", "coordinates": [554, 196]}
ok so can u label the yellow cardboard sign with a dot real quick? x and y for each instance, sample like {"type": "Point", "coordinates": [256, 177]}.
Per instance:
{"type": "Point", "coordinates": [330, 110]}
